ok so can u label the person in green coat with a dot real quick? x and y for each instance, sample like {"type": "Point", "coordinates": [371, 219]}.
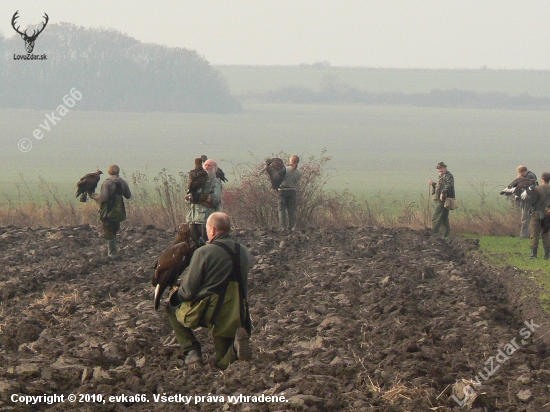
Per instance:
{"type": "Point", "coordinates": [109, 229]}
{"type": "Point", "coordinates": [540, 200]}
{"type": "Point", "coordinates": [443, 189]}
{"type": "Point", "coordinates": [213, 275]}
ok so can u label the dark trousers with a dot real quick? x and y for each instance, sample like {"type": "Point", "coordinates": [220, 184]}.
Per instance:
{"type": "Point", "coordinates": [524, 207]}
{"type": "Point", "coordinates": [287, 208]}
{"type": "Point", "coordinates": [109, 229]}
{"type": "Point", "coordinates": [441, 218]}
{"type": "Point", "coordinates": [197, 230]}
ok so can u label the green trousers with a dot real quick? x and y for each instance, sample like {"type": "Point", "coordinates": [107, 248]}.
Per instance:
{"type": "Point", "coordinates": [287, 208]}
{"type": "Point", "coordinates": [225, 354]}
{"type": "Point", "coordinates": [441, 218]}
{"type": "Point", "coordinates": [109, 229]}
{"type": "Point", "coordinates": [535, 232]}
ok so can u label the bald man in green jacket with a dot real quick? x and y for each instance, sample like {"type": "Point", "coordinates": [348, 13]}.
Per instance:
{"type": "Point", "coordinates": [213, 294]}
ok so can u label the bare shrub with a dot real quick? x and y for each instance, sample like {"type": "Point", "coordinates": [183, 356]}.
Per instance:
{"type": "Point", "coordinates": [160, 203]}
{"type": "Point", "coordinates": [485, 218]}
{"type": "Point", "coordinates": [251, 201]}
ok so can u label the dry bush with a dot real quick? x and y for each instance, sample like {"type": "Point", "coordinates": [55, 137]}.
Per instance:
{"type": "Point", "coordinates": [161, 203]}
{"type": "Point", "coordinates": [251, 202]}
{"type": "Point", "coordinates": [485, 218]}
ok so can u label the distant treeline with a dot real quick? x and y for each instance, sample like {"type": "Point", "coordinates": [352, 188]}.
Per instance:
{"type": "Point", "coordinates": [112, 70]}
{"type": "Point", "coordinates": [454, 98]}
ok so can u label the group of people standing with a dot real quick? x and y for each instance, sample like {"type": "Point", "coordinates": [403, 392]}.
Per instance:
{"type": "Point", "coordinates": [213, 291]}
{"type": "Point", "coordinates": [215, 285]}
{"type": "Point", "coordinates": [531, 208]}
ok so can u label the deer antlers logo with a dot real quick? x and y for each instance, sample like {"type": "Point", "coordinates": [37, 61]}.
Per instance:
{"type": "Point", "coordinates": [29, 40]}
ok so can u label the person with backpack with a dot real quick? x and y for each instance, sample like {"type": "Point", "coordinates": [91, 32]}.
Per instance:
{"type": "Point", "coordinates": [541, 199]}
{"type": "Point", "coordinates": [525, 204]}
{"type": "Point", "coordinates": [111, 206]}
{"type": "Point", "coordinates": [213, 294]}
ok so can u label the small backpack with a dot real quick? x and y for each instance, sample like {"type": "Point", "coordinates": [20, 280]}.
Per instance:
{"type": "Point", "coordinates": [114, 210]}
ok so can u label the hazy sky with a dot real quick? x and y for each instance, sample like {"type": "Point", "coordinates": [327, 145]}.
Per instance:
{"type": "Point", "coordinates": [508, 34]}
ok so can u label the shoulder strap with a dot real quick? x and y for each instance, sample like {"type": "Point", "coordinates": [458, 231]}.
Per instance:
{"type": "Point", "coordinates": [113, 198]}
{"type": "Point", "coordinates": [118, 188]}
{"type": "Point", "coordinates": [235, 257]}
{"type": "Point", "coordinates": [236, 276]}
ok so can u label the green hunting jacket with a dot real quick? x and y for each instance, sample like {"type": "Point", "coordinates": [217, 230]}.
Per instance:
{"type": "Point", "coordinates": [541, 199]}
{"type": "Point", "coordinates": [445, 186]}
{"type": "Point", "coordinates": [199, 213]}
{"type": "Point", "coordinates": [209, 268]}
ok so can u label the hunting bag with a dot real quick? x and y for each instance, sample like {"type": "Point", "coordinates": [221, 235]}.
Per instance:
{"type": "Point", "coordinates": [114, 210]}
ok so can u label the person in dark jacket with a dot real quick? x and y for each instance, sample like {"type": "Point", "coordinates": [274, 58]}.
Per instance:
{"type": "Point", "coordinates": [213, 294]}
{"type": "Point", "coordinates": [109, 229]}
{"type": "Point", "coordinates": [541, 199]}
{"type": "Point", "coordinates": [445, 188]}
{"type": "Point", "coordinates": [525, 204]}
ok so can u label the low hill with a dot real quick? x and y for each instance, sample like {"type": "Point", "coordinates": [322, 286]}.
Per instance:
{"type": "Point", "coordinates": [350, 319]}
{"type": "Point", "coordinates": [322, 84]}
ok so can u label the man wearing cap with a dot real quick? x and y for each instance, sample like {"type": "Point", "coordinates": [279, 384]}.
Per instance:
{"type": "Point", "coordinates": [444, 188]}
{"type": "Point", "coordinates": [525, 204]}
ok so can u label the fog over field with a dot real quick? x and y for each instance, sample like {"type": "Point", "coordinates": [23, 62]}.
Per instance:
{"type": "Point", "coordinates": [387, 88]}
{"type": "Point", "coordinates": [373, 148]}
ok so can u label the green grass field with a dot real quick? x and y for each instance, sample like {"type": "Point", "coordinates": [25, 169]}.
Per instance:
{"type": "Point", "coordinates": [374, 149]}
{"type": "Point", "coordinates": [387, 149]}
{"type": "Point", "coordinates": [514, 251]}
{"type": "Point", "coordinates": [243, 79]}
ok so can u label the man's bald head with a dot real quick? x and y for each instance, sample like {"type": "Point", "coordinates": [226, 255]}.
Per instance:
{"type": "Point", "coordinates": [220, 222]}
